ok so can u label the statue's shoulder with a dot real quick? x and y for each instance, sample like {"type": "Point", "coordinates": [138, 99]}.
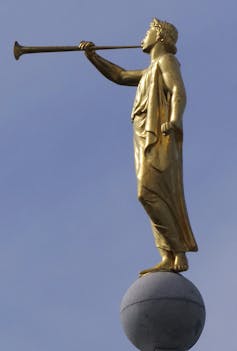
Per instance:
{"type": "Point", "coordinates": [168, 62]}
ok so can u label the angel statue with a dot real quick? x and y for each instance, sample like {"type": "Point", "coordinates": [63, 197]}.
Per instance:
{"type": "Point", "coordinates": [158, 135]}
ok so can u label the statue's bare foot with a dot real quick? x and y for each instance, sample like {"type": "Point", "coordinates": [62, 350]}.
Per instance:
{"type": "Point", "coordinates": [164, 266]}
{"type": "Point", "coordinates": [180, 262]}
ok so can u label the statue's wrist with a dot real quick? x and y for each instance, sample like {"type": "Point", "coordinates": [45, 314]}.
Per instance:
{"type": "Point", "coordinates": [176, 124]}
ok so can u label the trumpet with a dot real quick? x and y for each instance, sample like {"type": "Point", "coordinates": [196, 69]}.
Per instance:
{"type": "Point", "coordinates": [20, 50]}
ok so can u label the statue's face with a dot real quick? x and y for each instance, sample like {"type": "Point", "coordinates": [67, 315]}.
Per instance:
{"type": "Point", "coordinates": [149, 40]}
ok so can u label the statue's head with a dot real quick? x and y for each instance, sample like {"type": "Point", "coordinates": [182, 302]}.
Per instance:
{"type": "Point", "coordinates": [161, 32]}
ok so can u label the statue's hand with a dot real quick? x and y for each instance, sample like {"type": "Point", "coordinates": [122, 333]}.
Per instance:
{"type": "Point", "coordinates": [87, 46]}
{"type": "Point", "coordinates": [168, 127]}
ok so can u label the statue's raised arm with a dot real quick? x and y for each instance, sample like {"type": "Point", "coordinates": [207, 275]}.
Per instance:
{"type": "Point", "coordinates": [111, 71]}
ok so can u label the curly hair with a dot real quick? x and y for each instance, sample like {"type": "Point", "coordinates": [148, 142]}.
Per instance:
{"type": "Point", "coordinates": [168, 34]}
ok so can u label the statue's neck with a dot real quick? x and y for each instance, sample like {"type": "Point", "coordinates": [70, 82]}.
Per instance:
{"type": "Point", "coordinates": [157, 51]}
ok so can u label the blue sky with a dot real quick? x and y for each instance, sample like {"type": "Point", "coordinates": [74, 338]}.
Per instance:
{"type": "Point", "coordinates": [73, 235]}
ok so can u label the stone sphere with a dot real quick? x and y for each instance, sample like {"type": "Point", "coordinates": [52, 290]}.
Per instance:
{"type": "Point", "coordinates": [162, 311]}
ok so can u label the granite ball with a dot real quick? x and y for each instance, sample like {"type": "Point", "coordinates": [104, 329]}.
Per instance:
{"type": "Point", "coordinates": [163, 311]}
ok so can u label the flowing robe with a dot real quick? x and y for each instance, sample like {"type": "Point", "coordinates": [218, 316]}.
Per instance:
{"type": "Point", "coordinates": [158, 162]}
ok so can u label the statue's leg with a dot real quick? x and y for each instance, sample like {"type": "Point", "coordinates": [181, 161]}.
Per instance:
{"type": "Point", "coordinates": [180, 261]}
{"type": "Point", "coordinates": [166, 264]}
{"type": "Point", "coordinates": [162, 220]}
{"type": "Point", "coordinates": [164, 231]}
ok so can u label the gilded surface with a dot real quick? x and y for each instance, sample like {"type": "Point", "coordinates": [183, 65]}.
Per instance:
{"type": "Point", "coordinates": [157, 120]}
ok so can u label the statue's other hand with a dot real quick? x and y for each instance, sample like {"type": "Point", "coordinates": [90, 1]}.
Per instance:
{"type": "Point", "coordinates": [168, 127]}
{"type": "Point", "coordinates": [86, 46]}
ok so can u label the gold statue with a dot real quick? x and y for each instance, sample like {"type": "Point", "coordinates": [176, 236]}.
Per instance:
{"type": "Point", "coordinates": [157, 119]}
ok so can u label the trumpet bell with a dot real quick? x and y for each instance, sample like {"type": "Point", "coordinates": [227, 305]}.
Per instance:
{"type": "Point", "coordinates": [17, 50]}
